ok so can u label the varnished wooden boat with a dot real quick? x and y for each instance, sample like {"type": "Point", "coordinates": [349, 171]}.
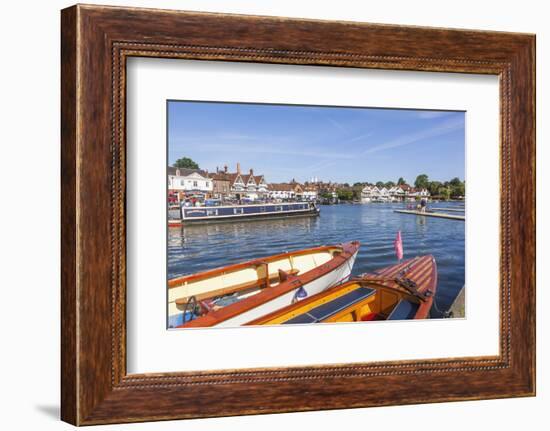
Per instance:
{"type": "Point", "coordinates": [237, 294]}
{"type": "Point", "coordinates": [398, 292]}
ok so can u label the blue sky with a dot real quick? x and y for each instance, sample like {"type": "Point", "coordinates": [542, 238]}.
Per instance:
{"type": "Point", "coordinates": [331, 143]}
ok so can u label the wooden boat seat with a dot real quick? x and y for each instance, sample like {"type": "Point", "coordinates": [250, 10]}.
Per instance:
{"type": "Point", "coordinates": [236, 288]}
{"type": "Point", "coordinates": [276, 278]}
{"type": "Point", "coordinates": [328, 309]}
{"type": "Point", "coordinates": [404, 310]}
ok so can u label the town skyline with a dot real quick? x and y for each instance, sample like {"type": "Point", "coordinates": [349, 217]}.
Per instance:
{"type": "Point", "coordinates": [191, 182]}
{"type": "Point", "coordinates": [316, 179]}
{"type": "Point", "coordinates": [285, 142]}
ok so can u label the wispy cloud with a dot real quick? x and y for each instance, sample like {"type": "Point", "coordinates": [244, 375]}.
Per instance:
{"type": "Point", "coordinates": [428, 115]}
{"type": "Point", "coordinates": [336, 124]}
{"type": "Point", "coordinates": [236, 136]}
{"type": "Point", "coordinates": [287, 146]}
{"type": "Point", "coordinates": [411, 138]}
{"type": "Point", "coordinates": [359, 137]}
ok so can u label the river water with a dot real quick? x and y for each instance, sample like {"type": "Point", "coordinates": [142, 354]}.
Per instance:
{"type": "Point", "coordinates": [198, 248]}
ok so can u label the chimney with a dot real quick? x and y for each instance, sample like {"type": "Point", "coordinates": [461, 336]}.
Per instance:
{"type": "Point", "coordinates": [251, 172]}
{"type": "Point", "coordinates": [225, 168]}
{"type": "Point", "coordinates": [238, 168]}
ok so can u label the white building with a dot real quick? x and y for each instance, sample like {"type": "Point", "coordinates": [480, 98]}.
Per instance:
{"type": "Point", "coordinates": [397, 192]}
{"type": "Point", "coordinates": [422, 193]}
{"type": "Point", "coordinates": [375, 194]}
{"type": "Point", "coordinates": [385, 195]}
{"type": "Point", "coordinates": [285, 191]}
{"type": "Point", "coordinates": [309, 193]}
{"type": "Point", "coordinates": [188, 181]}
{"type": "Point", "coordinates": [393, 194]}
{"type": "Point", "coordinates": [247, 185]}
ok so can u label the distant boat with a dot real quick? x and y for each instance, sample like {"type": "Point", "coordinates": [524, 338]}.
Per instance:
{"type": "Point", "coordinates": [237, 294]}
{"type": "Point", "coordinates": [226, 213]}
{"type": "Point", "coordinates": [398, 292]}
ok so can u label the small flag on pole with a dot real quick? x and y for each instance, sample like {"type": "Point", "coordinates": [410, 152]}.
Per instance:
{"type": "Point", "coordinates": [398, 245]}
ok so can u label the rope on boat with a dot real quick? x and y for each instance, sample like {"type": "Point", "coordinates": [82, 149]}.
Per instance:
{"type": "Point", "coordinates": [446, 314]}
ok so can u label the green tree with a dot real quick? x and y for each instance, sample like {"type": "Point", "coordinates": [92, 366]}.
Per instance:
{"type": "Point", "coordinates": [455, 182]}
{"type": "Point", "coordinates": [458, 191]}
{"type": "Point", "coordinates": [434, 187]}
{"type": "Point", "coordinates": [401, 181]}
{"type": "Point", "coordinates": [379, 184]}
{"type": "Point", "coordinates": [445, 192]}
{"type": "Point", "coordinates": [344, 194]}
{"type": "Point", "coordinates": [421, 181]}
{"type": "Point", "coordinates": [186, 162]}
{"type": "Point", "coordinates": [389, 184]}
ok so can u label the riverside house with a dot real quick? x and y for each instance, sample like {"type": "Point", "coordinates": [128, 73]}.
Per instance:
{"type": "Point", "coordinates": [315, 188]}
{"type": "Point", "coordinates": [372, 193]}
{"type": "Point", "coordinates": [221, 183]}
{"type": "Point", "coordinates": [238, 185]}
{"type": "Point", "coordinates": [375, 194]}
{"type": "Point", "coordinates": [285, 191]}
{"type": "Point", "coordinates": [310, 192]}
{"type": "Point", "coordinates": [183, 182]}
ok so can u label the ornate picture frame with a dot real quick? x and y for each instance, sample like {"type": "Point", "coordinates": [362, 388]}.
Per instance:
{"type": "Point", "coordinates": [96, 41]}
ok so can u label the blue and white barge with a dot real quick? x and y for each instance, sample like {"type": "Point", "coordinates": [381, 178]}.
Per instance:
{"type": "Point", "coordinates": [261, 211]}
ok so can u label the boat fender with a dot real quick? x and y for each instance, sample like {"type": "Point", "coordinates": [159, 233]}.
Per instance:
{"type": "Point", "coordinates": [300, 294]}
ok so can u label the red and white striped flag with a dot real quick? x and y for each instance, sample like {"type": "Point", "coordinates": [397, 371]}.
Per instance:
{"type": "Point", "coordinates": [398, 245]}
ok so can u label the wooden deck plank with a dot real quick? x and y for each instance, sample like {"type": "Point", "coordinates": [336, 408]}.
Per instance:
{"type": "Point", "coordinates": [429, 214]}
{"type": "Point", "coordinates": [457, 210]}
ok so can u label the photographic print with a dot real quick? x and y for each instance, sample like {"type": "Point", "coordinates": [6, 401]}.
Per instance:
{"type": "Point", "coordinates": [297, 214]}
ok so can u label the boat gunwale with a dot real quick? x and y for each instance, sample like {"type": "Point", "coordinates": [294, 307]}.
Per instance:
{"type": "Point", "coordinates": [178, 281]}
{"type": "Point", "coordinates": [212, 318]}
{"type": "Point", "coordinates": [425, 307]}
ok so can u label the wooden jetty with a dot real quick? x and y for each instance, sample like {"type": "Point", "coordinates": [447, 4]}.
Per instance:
{"type": "Point", "coordinates": [457, 210]}
{"type": "Point", "coordinates": [432, 214]}
{"type": "Point", "coordinates": [458, 307]}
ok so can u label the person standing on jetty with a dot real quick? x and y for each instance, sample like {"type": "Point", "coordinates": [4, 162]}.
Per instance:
{"type": "Point", "coordinates": [422, 205]}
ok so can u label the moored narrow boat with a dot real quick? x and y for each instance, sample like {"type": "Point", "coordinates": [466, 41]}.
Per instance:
{"type": "Point", "coordinates": [237, 294]}
{"type": "Point", "coordinates": [398, 292]}
{"type": "Point", "coordinates": [228, 213]}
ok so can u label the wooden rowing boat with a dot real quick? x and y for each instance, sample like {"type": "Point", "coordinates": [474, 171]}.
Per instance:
{"type": "Point", "coordinates": [236, 294]}
{"type": "Point", "coordinates": [398, 292]}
